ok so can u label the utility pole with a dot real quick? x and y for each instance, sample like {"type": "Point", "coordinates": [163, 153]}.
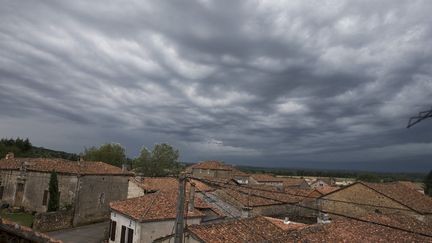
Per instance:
{"type": "Point", "coordinates": [180, 210]}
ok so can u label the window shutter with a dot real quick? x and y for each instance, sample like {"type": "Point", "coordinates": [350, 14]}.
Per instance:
{"type": "Point", "coordinates": [123, 231]}
{"type": "Point", "coordinates": [130, 235]}
{"type": "Point", "coordinates": [113, 230]}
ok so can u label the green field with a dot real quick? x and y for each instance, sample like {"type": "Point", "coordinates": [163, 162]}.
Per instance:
{"type": "Point", "coordinates": [24, 219]}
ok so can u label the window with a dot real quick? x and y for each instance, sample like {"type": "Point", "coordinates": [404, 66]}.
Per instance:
{"type": "Point", "coordinates": [126, 234]}
{"type": "Point", "coordinates": [102, 198]}
{"type": "Point", "coordinates": [130, 235]}
{"type": "Point", "coordinates": [113, 228]}
{"type": "Point", "coordinates": [1, 192]}
{"type": "Point", "coordinates": [45, 198]}
{"type": "Point", "coordinates": [123, 232]}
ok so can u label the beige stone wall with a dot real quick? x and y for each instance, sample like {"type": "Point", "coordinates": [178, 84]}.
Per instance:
{"type": "Point", "coordinates": [95, 194]}
{"type": "Point", "coordinates": [134, 190]}
{"type": "Point", "coordinates": [211, 173]}
{"type": "Point", "coordinates": [153, 230]}
{"type": "Point", "coordinates": [360, 194]}
{"type": "Point", "coordinates": [35, 183]}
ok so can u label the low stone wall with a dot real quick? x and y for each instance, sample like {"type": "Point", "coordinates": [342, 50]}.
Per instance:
{"type": "Point", "coordinates": [53, 221]}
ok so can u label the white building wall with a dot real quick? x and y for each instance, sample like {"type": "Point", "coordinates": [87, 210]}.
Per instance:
{"type": "Point", "coordinates": [129, 223]}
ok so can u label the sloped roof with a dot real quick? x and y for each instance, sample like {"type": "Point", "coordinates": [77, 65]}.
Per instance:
{"type": "Point", "coordinates": [289, 226]}
{"type": "Point", "coordinates": [350, 230]}
{"type": "Point", "coordinates": [327, 189]}
{"type": "Point", "coordinates": [266, 178]}
{"type": "Point", "coordinates": [25, 232]}
{"type": "Point", "coordinates": [254, 197]}
{"type": "Point", "coordinates": [61, 166]}
{"type": "Point", "coordinates": [256, 229]}
{"type": "Point", "coordinates": [152, 207]}
{"type": "Point", "coordinates": [288, 182]}
{"type": "Point", "coordinates": [404, 195]}
{"type": "Point", "coordinates": [412, 185]}
{"type": "Point", "coordinates": [211, 165]}
{"type": "Point", "coordinates": [168, 184]}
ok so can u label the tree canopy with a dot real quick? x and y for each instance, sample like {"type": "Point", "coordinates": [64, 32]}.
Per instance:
{"type": "Point", "coordinates": [54, 195]}
{"type": "Point", "coordinates": [161, 161]}
{"type": "Point", "coordinates": [111, 153]}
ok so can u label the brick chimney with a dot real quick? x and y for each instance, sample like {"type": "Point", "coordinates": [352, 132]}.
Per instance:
{"type": "Point", "coordinates": [10, 155]}
{"type": "Point", "coordinates": [191, 204]}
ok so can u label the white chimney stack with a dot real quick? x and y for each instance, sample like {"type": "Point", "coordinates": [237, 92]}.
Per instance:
{"type": "Point", "coordinates": [286, 220]}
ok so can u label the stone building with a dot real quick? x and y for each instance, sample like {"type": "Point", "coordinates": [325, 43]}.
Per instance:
{"type": "Point", "coordinates": [85, 187]}
{"type": "Point", "coordinates": [361, 198]}
{"type": "Point", "coordinates": [211, 168]}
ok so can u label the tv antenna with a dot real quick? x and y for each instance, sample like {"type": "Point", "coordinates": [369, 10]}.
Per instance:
{"type": "Point", "coordinates": [420, 117]}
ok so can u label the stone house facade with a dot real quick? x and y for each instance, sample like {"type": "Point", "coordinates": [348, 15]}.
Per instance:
{"type": "Point", "coordinates": [211, 168]}
{"type": "Point", "coordinates": [85, 187]}
{"type": "Point", "coordinates": [361, 198]}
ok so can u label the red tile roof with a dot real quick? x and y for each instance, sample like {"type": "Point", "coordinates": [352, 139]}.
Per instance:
{"type": "Point", "coordinates": [293, 182]}
{"type": "Point", "coordinates": [25, 232]}
{"type": "Point", "coordinates": [404, 195]}
{"type": "Point", "coordinates": [266, 178]}
{"type": "Point", "coordinates": [286, 226]}
{"type": "Point", "coordinates": [256, 229]}
{"type": "Point", "coordinates": [350, 230]}
{"type": "Point", "coordinates": [327, 189]}
{"type": "Point", "coordinates": [168, 184]}
{"type": "Point", "coordinates": [212, 165]}
{"type": "Point", "coordinates": [254, 197]}
{"type": "Point", "coordinates": [60, 166]}
{"type": "Point", "coordinates": [152, 207]}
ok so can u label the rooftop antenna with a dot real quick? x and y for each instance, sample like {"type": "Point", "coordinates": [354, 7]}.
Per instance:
{"type": "Point", "coordinates": [420, 117]}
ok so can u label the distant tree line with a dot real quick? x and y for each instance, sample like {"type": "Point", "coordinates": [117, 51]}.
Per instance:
{"type": "Point", "coordinates": [359, 175]}
{"type": "Point", "coordinates": [24, 148]}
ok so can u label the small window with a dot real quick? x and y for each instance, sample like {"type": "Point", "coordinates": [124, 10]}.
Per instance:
{"type": "Point", "coordinates": [45, 198]}
{"type": "Point", "coordinates": [1, 192]}
{"type": "Point", "coordinates": [130, 235]}
{"type": "Point", "coordinates": [113, 228]}
{"type": "Point", "coordinates": [123, 234]}
{"type": "Point", "coordinates": [102, 198]}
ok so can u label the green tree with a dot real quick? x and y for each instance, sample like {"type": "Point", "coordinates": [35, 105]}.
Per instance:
{"type": "Point", "coordinates": [161, 161]}
{"type": "Point", "coordinates": [54, 195]}
{"type": "Point", "coordinates": [369, 177]}
{"type": "Point", "coordinates": [111, 153]}
{"type": "Point", "coordinates": [428, 184]}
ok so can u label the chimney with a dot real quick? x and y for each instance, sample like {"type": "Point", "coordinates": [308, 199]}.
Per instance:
{"type": "Point", "coordinates": [124, 169]}
{"type": "Point", "coordinates": [245, 212]}
{"type": "Point", "coordinates": [286, 221]}
{"type": "Point", "coordinates": [323, 218]}
{"type": "Point", "coordinates": [191, 204]}
{"type": "Point", "coordinates": [10, 155]}
{"type": "Point", "coordinates": [81, 159]}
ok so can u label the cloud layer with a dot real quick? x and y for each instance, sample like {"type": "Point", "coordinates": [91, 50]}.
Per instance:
{"type": "Point", "coordinates": [272, 83]}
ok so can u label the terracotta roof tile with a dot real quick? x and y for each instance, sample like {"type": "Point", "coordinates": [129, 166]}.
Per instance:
{"type": "Point", "coordinates": [168, 184]}
{"type": "Point", "coordinates": [25, 232]}
{"type": "Point", "coordinates": [151, 207]}
{"type": "Point", "coordinates": [60, 166]}
{"type": "Point", "coordinates": [326, 189]}
{"type": "Point", "coordinates": [404, 195]}
{"type": "Point", "coordinates": [256, 229]}
{"type": "Point", "coordinates": [292, 182]}
{"type": "Point", "coordinates": [286, 226]}
{"type": "Point", "coordinates": [349, 230]}
{"type": "Point", "coordinates": [266, 178]}
{"type": "Point", "coordinates": [211, 164]}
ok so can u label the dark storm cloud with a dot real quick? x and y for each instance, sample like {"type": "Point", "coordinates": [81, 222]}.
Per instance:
{"type": "Point", "coordinates": [258, 82]}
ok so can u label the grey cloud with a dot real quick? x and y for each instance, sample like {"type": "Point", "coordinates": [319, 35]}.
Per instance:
{"type": "Point", "coordinates": [258, 82]}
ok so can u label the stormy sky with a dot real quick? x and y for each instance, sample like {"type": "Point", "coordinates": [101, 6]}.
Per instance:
{"type": "Point", "coordinates": [295, 83]}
